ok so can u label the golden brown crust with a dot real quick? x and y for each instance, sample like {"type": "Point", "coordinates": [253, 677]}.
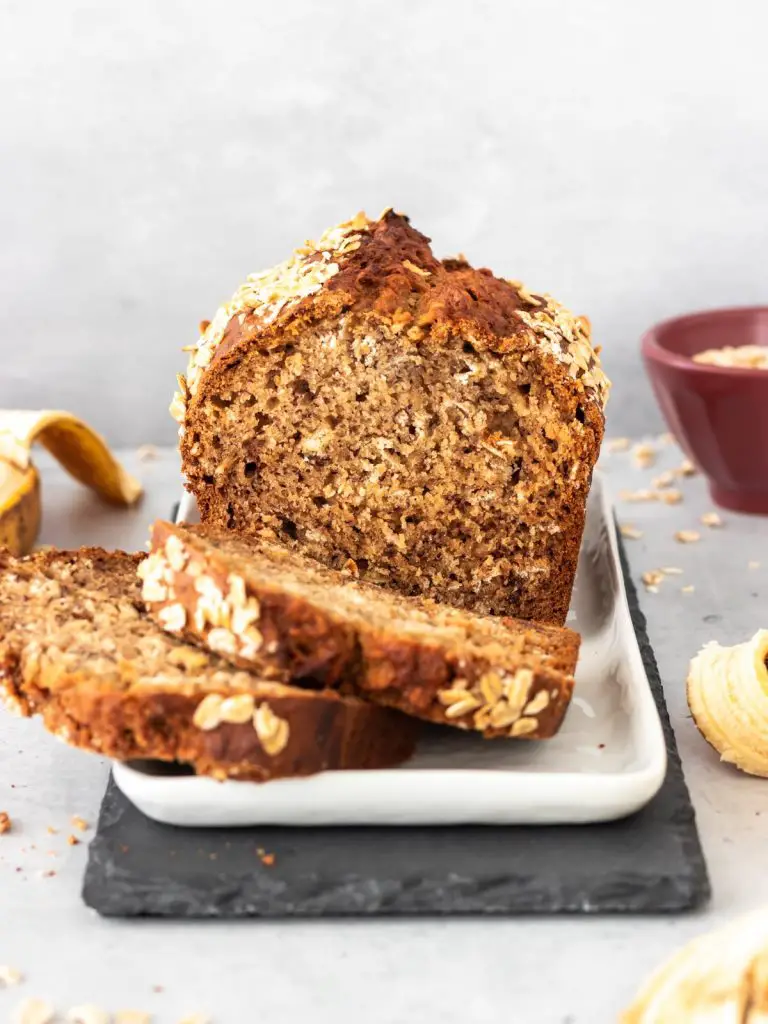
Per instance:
{"type": "Point", "coordinates": [434, 424]}
{"type": "Point", "coordinates": [394, 274]}
{"type": "Point", "coordinates": [75, 649]}
{"type": "Point", "coordinates": [328, 731]}
{"type": "Point", "coordinates": [385, 268]}
{"type": "Point", "coordinates": [275, 612]}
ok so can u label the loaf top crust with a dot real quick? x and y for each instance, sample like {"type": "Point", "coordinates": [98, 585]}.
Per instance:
{"type": "Point", "coordinates": [385, 269]}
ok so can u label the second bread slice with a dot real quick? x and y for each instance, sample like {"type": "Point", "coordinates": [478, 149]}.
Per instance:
{"type": "Point", "coordinates": [266, 608]}
{"type": "Point", "coordinates": [76, 648]}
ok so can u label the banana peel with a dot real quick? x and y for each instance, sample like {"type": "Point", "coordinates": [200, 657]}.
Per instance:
{"type": "Point", "coordinates": [19, 507]}
{"type": "Point", "coordinates": [728, 697]}
{"type": "Point", "coordinates": [79, 449]}
{"type": "Point", "coordinates": [721, 976]}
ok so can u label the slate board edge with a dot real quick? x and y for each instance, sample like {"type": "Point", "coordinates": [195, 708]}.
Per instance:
{"type": "Point", "coordinates": [690, 838]}
{"type": "Point", "coordinates": [114, 893]}
{"type": "Point", "coordinates": [114, 890]}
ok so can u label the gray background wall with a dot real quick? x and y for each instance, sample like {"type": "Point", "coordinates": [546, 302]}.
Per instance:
{"type": "Point", "coordinates": [152, 153]}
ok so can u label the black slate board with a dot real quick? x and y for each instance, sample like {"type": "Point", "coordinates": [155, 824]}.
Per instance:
{"type": "Point", "coordinates": [651, 862]}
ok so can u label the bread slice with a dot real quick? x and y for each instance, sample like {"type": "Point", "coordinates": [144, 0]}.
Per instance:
{"type": "Point", "coordinates": [366, 402]}
{"type": "Point", "coordinates": [77, 648]}
{"type": "Point", "coordinates": [280, 613]}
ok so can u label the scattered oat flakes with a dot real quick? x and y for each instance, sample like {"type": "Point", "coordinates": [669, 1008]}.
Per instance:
{"type": "Point", "coordinates": [73, 840]}
{"type": "Point", "coordinates": [52, 831]}
{"type": "Point", "coordinates": [669, 497]}
{"type": "Point", "coordinates": [617, 444]}
{"type": "Point", "coordinates": [641, 495]}
{"type": "Point", "coordinates": [711, 519]}
{"type": "Point", "coordinates": [686, 468]}
{"type": "Point", "coordinates": [132, 1017]}
{"type": "Point", "coordinates": [753, 565]}
{"type": "Point", "coordinates": [9, 976]}
{"type": "Point", "coordinates": [87, 1014]}
{"type": "Point", "coordinates": [687, 536]}
{"type": "Point", "coordinates": [79, 823]}
{"type": "Point", "coordinates": [666, 439]}
{"type": "Point", "coordinates": [5, 822]}
{"type": "Point", "coordinates": [147, 453]}
{"type": "Point", "coordinates": [665, 479]}
{"type": "Point", "coordinates": [652, 579]}
{"type": "Point", "coordinates": [687, 590]}
{"type": "Point", "coordinates": [671, 570]}
{"type": "Point", "coordinates": [34, 1011]}
{"type": "Point", "coordinates": [630, 532]}
{"type": "Point", "coordinates": [644, 455]}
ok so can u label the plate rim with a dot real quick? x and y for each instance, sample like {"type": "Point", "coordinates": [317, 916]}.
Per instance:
{"type": "Point", "coordinates": [609, 796]}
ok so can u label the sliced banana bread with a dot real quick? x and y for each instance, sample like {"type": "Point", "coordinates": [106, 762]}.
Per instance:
{"type": "Point", "coordinates": [76, 647]}
{"type": "Point", "coordinates": [282, 614]}
{"type": "Point", "coordinates": [430, 422]}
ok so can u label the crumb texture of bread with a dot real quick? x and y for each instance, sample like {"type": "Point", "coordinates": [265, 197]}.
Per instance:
{"type": "Point", "coordinates": [282, 614]}
{"type": "Point", "coordinates": [77, 647]}
{"type": "Point", "coordinates": [427, 423]}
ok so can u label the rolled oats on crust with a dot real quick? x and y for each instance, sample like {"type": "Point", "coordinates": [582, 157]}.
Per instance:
{"type": "Point", "coordinates": [381, 409]}
{"type": "Point", "coordinates": [76, 648]}
{"type": "Point", "coordinates": [431, 661]}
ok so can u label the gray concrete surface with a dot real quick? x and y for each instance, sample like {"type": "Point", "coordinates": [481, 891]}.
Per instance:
{"type": "Point", "coordinates": [151, 154]}
{"type": "Point", "coordinates": [553, 971]}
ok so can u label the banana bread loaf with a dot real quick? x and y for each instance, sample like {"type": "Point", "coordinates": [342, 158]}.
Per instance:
{"type": "Point", "coordinates": [76, 647]}
{"type": "Point", "coordinates": [282, 614]}
{"type": "Point", "coordinates": [433, 424]}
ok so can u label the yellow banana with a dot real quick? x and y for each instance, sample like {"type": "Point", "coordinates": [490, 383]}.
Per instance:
{"type": "Point", "coordinates": [728, 697]}
{"type": "Point", "coordinates": [81, 451]}
{"type": "Point", "coordinates": [719, 977]}
{"type": "Point", "coordinates": [19, 507]}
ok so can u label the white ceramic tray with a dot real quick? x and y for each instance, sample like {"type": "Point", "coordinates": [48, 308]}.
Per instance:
{"type": "Point", "coordinates": [607, 761]}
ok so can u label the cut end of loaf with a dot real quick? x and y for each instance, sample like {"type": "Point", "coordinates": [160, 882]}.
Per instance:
{"type": "Point", "coordinates": [461, 478]}
{"type": "Point", "coordinates": [426, 424]}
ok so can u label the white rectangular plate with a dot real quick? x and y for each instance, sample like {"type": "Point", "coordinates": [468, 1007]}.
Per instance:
{"type": "Point", "coordinates": [607, 761]}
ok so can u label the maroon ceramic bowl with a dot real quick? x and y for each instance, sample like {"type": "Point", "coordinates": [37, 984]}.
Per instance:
{"type": "Point", "coordinates": [719, 415]}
